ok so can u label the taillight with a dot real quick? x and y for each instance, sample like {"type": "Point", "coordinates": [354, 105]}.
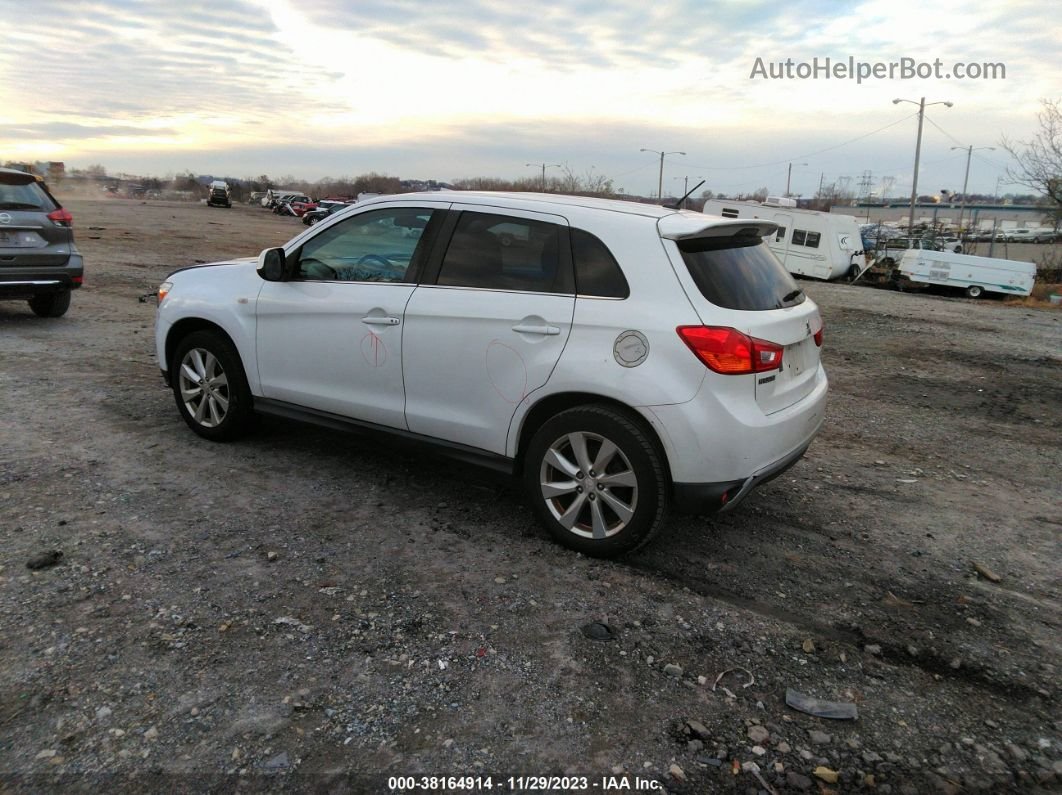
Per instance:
{"type": "Point", "coordinates": [61, 217]}
{"type": "Point", "coordinates": [728, 351]}
{"type": "Point", "coordinates": [818, 334]}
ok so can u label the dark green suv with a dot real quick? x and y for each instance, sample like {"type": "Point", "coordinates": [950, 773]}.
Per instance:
{"type": "Point", "coordinates": [39, 262]}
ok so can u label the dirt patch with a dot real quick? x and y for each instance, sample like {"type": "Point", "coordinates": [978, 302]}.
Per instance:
{"type": "Point", "coordinates": [307, 611]}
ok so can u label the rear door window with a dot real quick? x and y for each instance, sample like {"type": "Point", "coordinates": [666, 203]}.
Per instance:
{"type": "Point", "coordinates": [502, 252]}
{"type": "Point", "coordinates": [739, 272]}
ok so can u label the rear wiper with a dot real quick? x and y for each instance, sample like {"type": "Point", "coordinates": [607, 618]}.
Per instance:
{"type": "Point", "coordinates": [790, 296]}
{"type": "Point", "coordinates": [19, 206]}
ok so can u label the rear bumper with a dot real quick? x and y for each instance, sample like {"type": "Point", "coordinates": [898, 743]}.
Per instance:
{"type": "Point", "coordinates": [720, 446]}
{"type": "Point", "coordinates": [719, 497]}
{"type": "Point", "coordinates": [27, 281]}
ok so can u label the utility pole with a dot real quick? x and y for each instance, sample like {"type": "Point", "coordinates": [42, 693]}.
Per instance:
{"type": "Point", "coordinates": [660, 182]}
{"type": "Point", "coordinates": [918, 153]}
{"type": "Point", "coordinates": [966, 180]}
{"type": "Point", "coordinates": [789, 176]}
{"type": "Point", "coordinates": [544, 167]}
{"type": "Point", "coordinates": [686, 188]}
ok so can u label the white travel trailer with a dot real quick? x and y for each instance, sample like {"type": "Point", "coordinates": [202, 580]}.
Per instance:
{"type": "Point", "coordinates": [809, 243]}
{"type": "Point", "coordinates": [973, 275]}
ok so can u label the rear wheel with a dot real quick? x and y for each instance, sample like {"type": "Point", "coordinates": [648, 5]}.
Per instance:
{"type": "Point", "coordinates": [50, 304]}
{"type": "Point", "coordinates": [596, 481]}
{"type": "Point", "coordinates": [210, 387]}
{"type": "Point", "coordinates": [974, 291]}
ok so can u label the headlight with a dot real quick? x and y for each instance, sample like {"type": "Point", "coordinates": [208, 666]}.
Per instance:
{"type": "Point", "coordinates": [164, 290]}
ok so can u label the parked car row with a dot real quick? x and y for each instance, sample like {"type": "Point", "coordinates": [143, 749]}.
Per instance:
{"type": "Point", "coordinates": [1024, 235]}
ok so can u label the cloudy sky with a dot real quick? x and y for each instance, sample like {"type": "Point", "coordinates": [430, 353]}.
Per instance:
{"type": "Point", "coordinates": [446, 89]}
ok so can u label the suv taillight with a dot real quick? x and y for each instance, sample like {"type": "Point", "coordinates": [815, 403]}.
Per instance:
{"type": "Point", "coordinates": [61, 217]}
{"type": "Point", "coordinates": [726, 350]}
{"type": "Point", "coordinates": [818, 334]}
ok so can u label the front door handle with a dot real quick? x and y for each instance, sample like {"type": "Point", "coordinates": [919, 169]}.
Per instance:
{"type": "Point", "coordinates": [547, 331]}
{"type": "Point", "coordinates": [374, 320]}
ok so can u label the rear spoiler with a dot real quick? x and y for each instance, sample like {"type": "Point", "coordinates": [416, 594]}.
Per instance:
{"type": "Point", "coordinates": [682, 226]}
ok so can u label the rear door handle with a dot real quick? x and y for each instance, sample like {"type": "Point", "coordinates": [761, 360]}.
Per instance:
{"type": "Point", "coordinates": [546, 331]}
{"type": "Point", "coordinates": [374, 320]}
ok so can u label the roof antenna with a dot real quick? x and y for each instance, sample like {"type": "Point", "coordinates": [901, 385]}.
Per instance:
{"type": "Point", "coordinates": [678, 205]}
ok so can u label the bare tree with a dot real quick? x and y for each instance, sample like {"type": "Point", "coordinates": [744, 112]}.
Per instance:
{"type": "Point", "coordinates": [1039, 161]}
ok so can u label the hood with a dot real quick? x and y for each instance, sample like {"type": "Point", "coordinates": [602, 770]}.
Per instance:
{"type": "Point", "coordinates": [241, 261]}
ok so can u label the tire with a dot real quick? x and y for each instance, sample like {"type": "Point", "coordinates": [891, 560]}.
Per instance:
{"type": "Point", "coordinates": [225, 410]}
{"type": "Point", "coordinates": [853, 272]}
{"type": "Point", "coordinates": [974, 291]}
{"type": "Point", "coordinates": [50, 304]}
{"type": "Point", "coordinates": [609, 520]}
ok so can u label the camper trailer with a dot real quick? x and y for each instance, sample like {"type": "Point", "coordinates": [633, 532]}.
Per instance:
{"type": "Point", "coordinates": [809, 243]}
{"type": "Point", "coordinates": [973, 275]}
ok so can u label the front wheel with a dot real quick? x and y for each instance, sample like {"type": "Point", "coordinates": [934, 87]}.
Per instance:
{"type": "Point", "coordinates": [974, 291]}
{"type": "Point", "coordinates": [210, 387]}
{"type": "Point", "coordinates": [596, 480]}
{"type": "Point", "coordinates": [50, 304]}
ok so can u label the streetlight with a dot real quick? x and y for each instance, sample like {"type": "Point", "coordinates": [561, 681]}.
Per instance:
{"type": "Point", "coordinates": [544, 167]}
{"type": "Point", "coordinates": [969, 151]}
{"type": "Point", "coordinates": [789, 176]}
{"type": "Point", "coordinates": [918, 152]}
{"type": "Point", "coordinates": [660, 182]}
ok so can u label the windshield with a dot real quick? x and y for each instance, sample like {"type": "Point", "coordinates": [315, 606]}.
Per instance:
{"type": "Point", "coordinates": [739, 272]}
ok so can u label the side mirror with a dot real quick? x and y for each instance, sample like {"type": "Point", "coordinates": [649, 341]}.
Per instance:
{"type": "Point", "coordinates": [272, 265]}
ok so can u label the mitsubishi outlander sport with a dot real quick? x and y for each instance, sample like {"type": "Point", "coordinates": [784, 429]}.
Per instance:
{"type": "Point", "coordinates": [620, 359]}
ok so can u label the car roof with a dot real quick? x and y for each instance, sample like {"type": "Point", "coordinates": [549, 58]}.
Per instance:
{"type": "Point", "coordinates": [532, 201]}
{"type": "Point", "coordinates": [24, 175]}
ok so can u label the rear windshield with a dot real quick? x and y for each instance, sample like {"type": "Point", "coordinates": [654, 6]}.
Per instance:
{"type": "Point", "coordinates": [739, 272]}
{"type": "Point", "coordinates": [17, 194]}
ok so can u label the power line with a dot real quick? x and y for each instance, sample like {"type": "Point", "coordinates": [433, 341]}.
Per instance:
{"type": "Point", "coordinates": [946, 133]}
{"type": "Point", "coordinates": [809, 154]}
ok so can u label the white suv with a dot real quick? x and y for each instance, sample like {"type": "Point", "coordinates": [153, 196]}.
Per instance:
{"type": "Point", "coordinates": [619, 358]}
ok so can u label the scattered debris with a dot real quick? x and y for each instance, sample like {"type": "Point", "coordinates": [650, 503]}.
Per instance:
{"type": "Point", "coordinates": [834, 710]}
{"type": "Point", "coordinates": [808, 646]}
{"type": "Point", "coordinates": [698, 730]}
{"type": "Point", "coordinates": [986, 572]}
{"type": "Point", "coordinates": [596, 630]}
{"type": "Point", "coordinates": [293, 622]}
{"type": "Point", "coordinates": [677, 772]}
{"type": "Point", "coordinates": [45, 560]}
{"type": "Point", "coordinates": [750, 683]}
{"type": "Point", "coordinates": [673, 670]}
{"type": "Point", "coordinates": [827, 775]}
{"type": "Point", "coordinates": [754, 769]}
{"type": "Point", "coordinates": [892, 600]}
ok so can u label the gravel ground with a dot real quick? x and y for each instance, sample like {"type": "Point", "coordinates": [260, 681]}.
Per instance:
{"type": "Point", "coordinates": [303, 611]}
